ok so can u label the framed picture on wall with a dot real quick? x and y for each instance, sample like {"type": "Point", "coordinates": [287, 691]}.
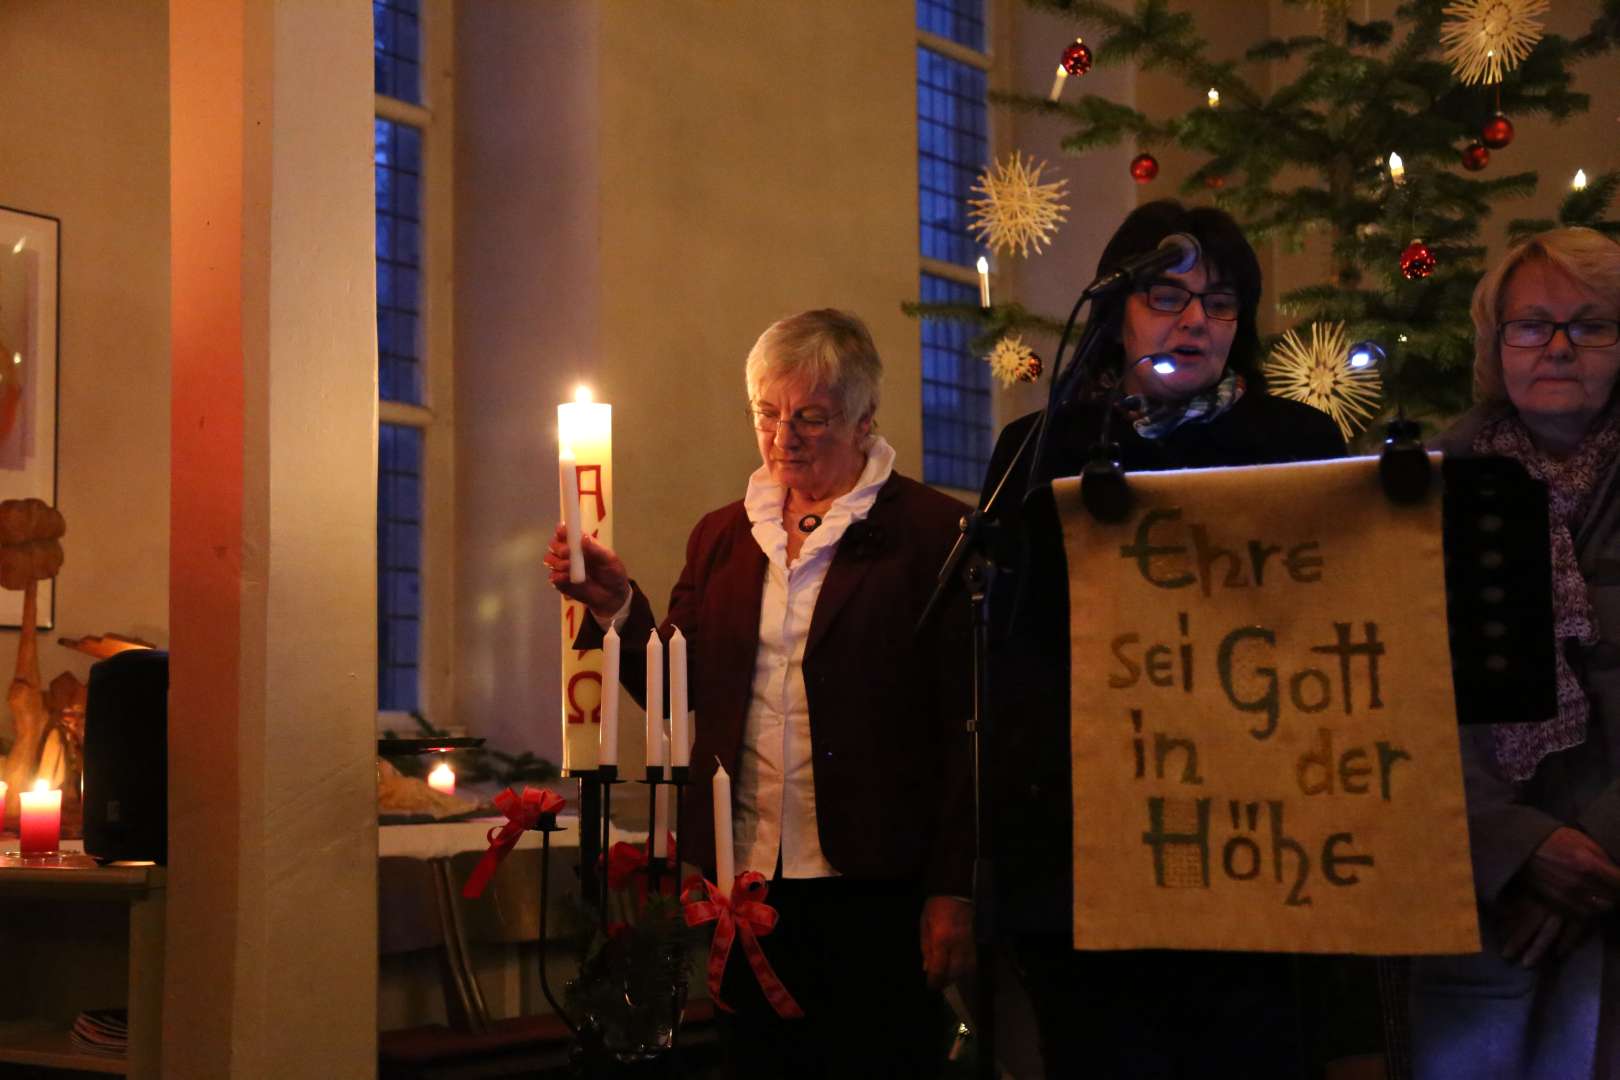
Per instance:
{"type": "Point", "coordinates": [28, 348]}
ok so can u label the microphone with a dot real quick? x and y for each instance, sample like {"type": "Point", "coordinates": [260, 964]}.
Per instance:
{"type": "Point", "coordinates": [1177, 253]}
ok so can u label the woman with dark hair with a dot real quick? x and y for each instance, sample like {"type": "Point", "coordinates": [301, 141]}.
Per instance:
{"type": "Point", "coordinates": [1178, 376]}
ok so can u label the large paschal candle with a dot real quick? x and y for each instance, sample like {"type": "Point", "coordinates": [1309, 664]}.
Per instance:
{"type": "Point", "coordinates": [585, 428]}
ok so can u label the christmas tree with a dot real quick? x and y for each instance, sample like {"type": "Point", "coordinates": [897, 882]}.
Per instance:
{"type": "Point", "coordinates": [1311, 156]}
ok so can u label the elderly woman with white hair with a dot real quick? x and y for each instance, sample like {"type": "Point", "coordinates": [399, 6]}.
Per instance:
{"type": "Point", "coordinates": [1543, 998]}
{"type": "Point", "coordinates": [843, 727]}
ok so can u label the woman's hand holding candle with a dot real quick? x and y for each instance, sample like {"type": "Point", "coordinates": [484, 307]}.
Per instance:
{"type": "Point", "coordinates": [606, 584]}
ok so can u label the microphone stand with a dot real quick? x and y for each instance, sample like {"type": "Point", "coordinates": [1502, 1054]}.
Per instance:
{"type": "Point", "coordinates": [971, 562]}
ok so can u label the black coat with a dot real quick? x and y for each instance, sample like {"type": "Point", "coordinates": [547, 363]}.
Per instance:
{"type": "Point", "coordinates": [1154, 1013]}
{"type": "Point", "coordinates": [1030, 620]}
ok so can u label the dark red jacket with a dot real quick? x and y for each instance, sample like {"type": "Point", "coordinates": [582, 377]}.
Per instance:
{"type": "Point", "coordinates": [887, 708]}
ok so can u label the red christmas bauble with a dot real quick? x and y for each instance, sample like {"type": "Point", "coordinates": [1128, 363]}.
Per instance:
{"type": "Point", "coordinates": [1417, 261]}
{"type": "Point", "coordinates": [1076, 59]}
{"type": "Point", "coordinates": [1144, 167]}
{"type": "Point", "coordinates": [1497, 132]}
{"type": "Point", "coordinates": [1031, 370]}
{"type": "Point", "coordinates": [1215, 181]}
{"type": "Point", "coordinates": [1475, 157]}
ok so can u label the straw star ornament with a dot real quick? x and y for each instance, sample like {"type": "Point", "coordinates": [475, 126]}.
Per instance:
{"type": "Point", "coordinates": [1486, 39]}
{"type": "Point", "coordinates": [1012, 361]}
{"type": "Point", "coordinates": [1017, 211]}
{"type": "Point", "coordinates": [1318, 373]}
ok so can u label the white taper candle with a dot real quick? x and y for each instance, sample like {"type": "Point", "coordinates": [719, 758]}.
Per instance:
{"type": "Point", "coordinates": [655, 700]}
{"type": "Point", "coordinates": [568, 475]}
{"type": "Point", "coordinates": [725, 864]}
{"type": "Point", "coordinates": [680, 721]}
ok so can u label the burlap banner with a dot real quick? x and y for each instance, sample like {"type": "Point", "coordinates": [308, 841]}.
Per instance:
{"type": "Point", "coordinates": [1263, 733]}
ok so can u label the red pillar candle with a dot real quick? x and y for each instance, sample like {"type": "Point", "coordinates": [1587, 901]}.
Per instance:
{"type": "Point", "coordinates": [41, 825]}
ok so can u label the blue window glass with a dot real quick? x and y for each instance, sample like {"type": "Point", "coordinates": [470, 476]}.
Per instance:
{"type": "Point", "coordinates": [399, 261]}
{"type": "Point", "coordinates": [962, 21]}
{"type": "Point", "coordinates": [396, 36]}
{"type": "Point", "coordinates": [399, 566]}
{"type": "Point", "coordinates": [955, 391]}
{"type": "Point", "coordinates": [952, 140]}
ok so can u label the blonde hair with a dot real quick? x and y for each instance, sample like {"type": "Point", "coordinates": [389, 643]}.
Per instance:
{"type": "Point", "coordinates": [828, 348]}
{"type": "Point", "coordinates": [1585, 255]}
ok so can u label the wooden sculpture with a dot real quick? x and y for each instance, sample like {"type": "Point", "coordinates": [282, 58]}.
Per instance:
{"type": "Point", "coordinates": [47, 722]}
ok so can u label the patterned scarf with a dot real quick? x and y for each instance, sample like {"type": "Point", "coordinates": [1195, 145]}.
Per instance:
{"type": "Point", "coordinates": [1570, 483]}
{"type": "Point", "coordinates": [1156, 419]}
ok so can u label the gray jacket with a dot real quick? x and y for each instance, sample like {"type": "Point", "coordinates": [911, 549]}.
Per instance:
{"type": "Point", "coordinates": [1481, 1016]}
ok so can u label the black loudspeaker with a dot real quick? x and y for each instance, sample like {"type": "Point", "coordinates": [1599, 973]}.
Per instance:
{"type": "Point", "coordinates": [126, 757]}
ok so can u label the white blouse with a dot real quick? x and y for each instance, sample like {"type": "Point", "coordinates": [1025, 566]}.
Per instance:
{"type": "Point", "coordinates": [775, 791]}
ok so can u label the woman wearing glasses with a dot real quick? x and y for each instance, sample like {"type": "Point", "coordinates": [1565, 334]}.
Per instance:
{"type": "Point", "coordinates": [1178, 380]}
{"type": "Point", "coordinates": [1543, 998]}
{"type": "Point", "coordinates": [843, 729]}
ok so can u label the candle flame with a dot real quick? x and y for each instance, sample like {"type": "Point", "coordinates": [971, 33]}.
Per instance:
{"type": "Point", "coordinates": [582, 394]}
{"type": "Point", "coordinates": [1397, 168]}
{"type": "Point", "coordinates": [983, 264]}
{"type": "Point", "coordinates": [18, 246]}
{"type": "Point", "coordinates": [443, 772]}
{"type": "Point", "coordinates": [1214, 98]}
{"type": "Point", "coordinates": [42, 784]}
{"type": "Point", "coordinates": [1579, 183]}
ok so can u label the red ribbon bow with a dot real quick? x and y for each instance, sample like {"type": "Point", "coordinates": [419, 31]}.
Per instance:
{"type": "Point", "coordinates": [522, 812]}
{"type": "Point", "coordinates": [626, 864]}
{"type": "Point", "coordinates": [743, 915]}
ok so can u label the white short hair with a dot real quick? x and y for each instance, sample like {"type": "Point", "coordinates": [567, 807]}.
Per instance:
{"type": "Point", "coordinates": [830, 349]}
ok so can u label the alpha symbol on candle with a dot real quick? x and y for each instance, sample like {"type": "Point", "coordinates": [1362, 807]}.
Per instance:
{"type": "Point", "coordinates": [592, 489]}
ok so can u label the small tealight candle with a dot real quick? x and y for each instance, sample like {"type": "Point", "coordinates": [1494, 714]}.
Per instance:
{"type": "Point", "coordinates": [41, 826]}
{"type": "Point", "coordinates": [443, 779]}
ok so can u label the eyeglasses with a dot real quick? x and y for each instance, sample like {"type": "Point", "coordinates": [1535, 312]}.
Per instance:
{"type": "Point", "coordinates": [809, 427]}
{"type": "Point", "coordinates": [1219, 304]}
{"type": "Point", "coordinates": [1582, 333]}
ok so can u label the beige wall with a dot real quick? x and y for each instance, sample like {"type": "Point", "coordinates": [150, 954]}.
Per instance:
{"type": "Point", "coordinates": [273, 825]}
{"type": "Point", "coordinates": [85, 131]}
{"type": "Point", "coordinates": [641, 190]}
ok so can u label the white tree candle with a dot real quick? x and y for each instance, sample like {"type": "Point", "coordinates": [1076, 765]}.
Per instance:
{"type": "Point", "coordinates": [984, 281]}
{"type": "Point", "coordinates": [725, 865]}
{"type": "Point", "coordinates": [680, 729]}
{"type": "Point", "coordinates": [607, 751]}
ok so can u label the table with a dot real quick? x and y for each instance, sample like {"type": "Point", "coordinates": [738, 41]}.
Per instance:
{"type": "Point", "coordinates": [79, 936]}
